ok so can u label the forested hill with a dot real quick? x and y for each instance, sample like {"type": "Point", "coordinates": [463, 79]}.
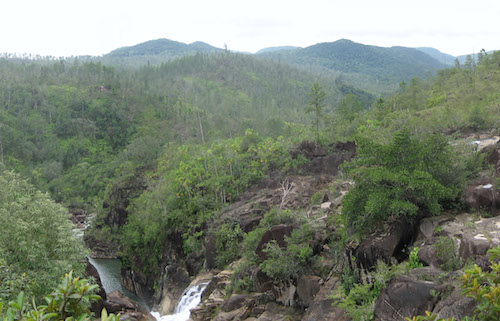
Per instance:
{"type": "Point", "coordinates": [155, 52]}
{"type": "Point", "coordinates": [363, 63]}
{"type": "Point", "coordinates": [164, 47]}
{"type": "Point", "coordinates": [372, 68]}
{"type": "Point", "coordinates": [69, 125]}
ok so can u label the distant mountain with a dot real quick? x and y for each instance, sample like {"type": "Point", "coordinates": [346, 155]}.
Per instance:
{"type": "Point", "coordinates": [387, 65]}
{"type": "Point", "coordinates": [272, 49]}
{"type": "Point", "coordinates": [162, 47]}
{"type": "Point", "coordinates": [438, 55]}
{"type": "Point", "coordinates": [462, 58]}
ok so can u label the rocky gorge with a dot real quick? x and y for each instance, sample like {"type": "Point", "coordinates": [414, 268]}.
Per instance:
{"type": "Point", "coordinates": [446, 244]}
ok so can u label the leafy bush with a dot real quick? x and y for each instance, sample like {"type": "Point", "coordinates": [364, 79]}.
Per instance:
{"type": "Point", "coordinates": [358, 298]}
{"type": "Point", "coordinates": [484, 287]}
{"type": "Point", "coordinates": [70, 301]}
{"type": "Point", "coordinates": [405, 177]}
{"type": "Point", "coordinates": [414, 262]}
{"type": "Point", "coordinates": [447, 252]}
{"type": "Point", "coordinates": [294, 260]}
{"type": "Point", "coordinates": [228, 239]}
{"type": "Point", "coordinates": [36, 239]}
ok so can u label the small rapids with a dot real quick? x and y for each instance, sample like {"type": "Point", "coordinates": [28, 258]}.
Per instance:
{"type": "Point", "coordinates": [189, 300]}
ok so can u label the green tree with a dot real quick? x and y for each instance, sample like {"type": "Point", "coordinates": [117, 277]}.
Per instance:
{"type": "Point", "coordinates": [36, 238]}
{"type": "Point", "coordinates": [317, 97]}
{"type": "Point", "coordinates": [405, 177]}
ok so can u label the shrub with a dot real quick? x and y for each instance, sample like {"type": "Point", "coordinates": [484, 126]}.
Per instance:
{"type": "Point", "coordinates": [405, 177]}
{"type": "Point", "coordinates": [414, 262]}
{"type": "Point", "coordinates": [291, 262]}
{"type": "Point", "coordinates": [70, 301]}
{"type": "Point", "coordinates": [446, 250]}
{"type": "Point", "coordinates": [228, 238]}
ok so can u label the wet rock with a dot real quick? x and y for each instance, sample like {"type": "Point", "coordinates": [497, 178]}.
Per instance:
{"type": "Point", "coordinates": [137, 282]}
{"type": "Point", "coordinates": [174, 281]}
{"type": "Point", "coordinates": [213, 297]}
{"type": "Point", "coordinates": [116, 303]}
{"type": "Point", "coordinates": [405, 297]}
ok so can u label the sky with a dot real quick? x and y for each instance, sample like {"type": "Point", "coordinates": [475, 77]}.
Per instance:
{"type": "Point", "coordinates": [96, 27]}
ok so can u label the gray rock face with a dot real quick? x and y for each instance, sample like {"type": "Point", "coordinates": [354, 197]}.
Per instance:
{"type": "Point", "coordinates": [321, 308]}
{"type": "Point", "coordinates": [307, 287]}
{"type": "Point", "coordinates": [456, 305]}
{"type": "Point", "coordinates": [484, 195]}
{"type": "Point", "coordinates": [472, 235]}
{"type": "Point", "coordinates": [116, 303]}
{"type": "Point", "coordinates": [385, 245]}
{"type": "Point", "coordinates": [405, 297]}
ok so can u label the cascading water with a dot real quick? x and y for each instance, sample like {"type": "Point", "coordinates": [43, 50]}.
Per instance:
{"type": "Point", "coordinates": [189, 300]}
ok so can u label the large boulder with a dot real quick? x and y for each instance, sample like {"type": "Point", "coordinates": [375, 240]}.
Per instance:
{"type": "Point", "coordinates": [456, 305]}
{"type": "Point", "coordinates": [329, 164]}
{"type": "Point", "coordinates": [385, 245]}
{"type": "Point", "coordinates": [472, 237]}
{"type": "Point", "coordinates": [174, 281]}
{"type": "Point", "coordinates": [405, 297]}
{"type": "Point", "coordinates": [322, 308]}
{"type": "Point", "coordinates": [276, 233]}
{"type": "Point", "coordinates": [117, 303]}
{"type": "Point", "coordinates": [307, 287]}
{"type": "Point", "coordinates": [492, 154]}
{"type": "Point", "coordinates": [308, 149]}
{"type": "Point", "coordinates": [484, 195]}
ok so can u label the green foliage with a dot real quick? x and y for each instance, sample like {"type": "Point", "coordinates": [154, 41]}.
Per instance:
{"type": "Point", "coordinates": [71, 300]}
{"type": "Point", "coordinates": [447, 252]}
{"type": "Point", "coordinates": [291, 262]}
{"type": "Point", "coordinates": [429, 317]}
{"type": "Point", "coordinates": [371, 67]}
{"type": "Point", "coordinates": [37, 243]}
{"type": "Point", "coordinates": [191, 184]}
{"type": "Point", "coordinates": [317, 97]}
{"type": "Point", "coordinates": [484, 287]}
{"type": "Point", "coordinates": [405, 177]}
{"type": "Point", "coordinates": [358, 298]}
{"type": "Point", "coordinates": [228, 238]}
{"type": "Point", "coordinates": [413, 260]}
{"type": "Point", "coordinates": [317, 197]}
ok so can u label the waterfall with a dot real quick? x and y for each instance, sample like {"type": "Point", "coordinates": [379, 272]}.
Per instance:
{"type": "Point", "coordinates": [109, 273]}
{"type": "Point", "coordinates": [189, 300]}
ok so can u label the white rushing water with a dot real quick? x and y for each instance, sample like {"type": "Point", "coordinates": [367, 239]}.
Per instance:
{"type": "Point", "coordinates": [189, 300]}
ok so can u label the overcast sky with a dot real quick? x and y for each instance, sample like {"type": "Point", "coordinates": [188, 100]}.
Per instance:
{"type": "Point", "coordinates": [95, 27]}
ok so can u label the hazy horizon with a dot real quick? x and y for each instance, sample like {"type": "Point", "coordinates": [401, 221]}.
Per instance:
{"type": "Point", "coordinates": [61, 28]}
